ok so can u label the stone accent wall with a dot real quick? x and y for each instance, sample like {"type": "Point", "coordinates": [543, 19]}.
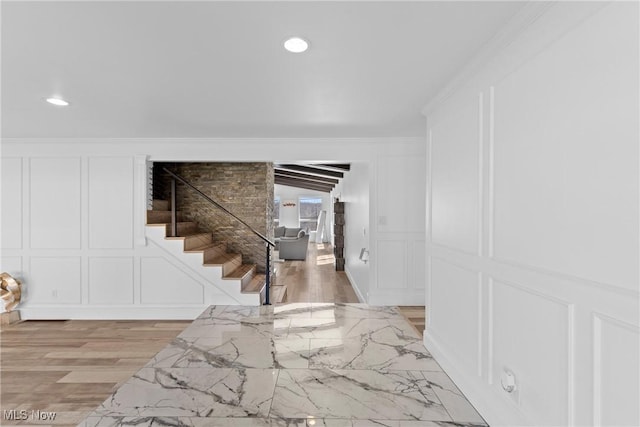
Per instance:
{"type": "Point", "coordinates": [245, 189]}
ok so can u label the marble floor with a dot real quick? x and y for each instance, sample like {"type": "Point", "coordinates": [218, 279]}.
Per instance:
{"type": "Point", "coordinates": [297, 364]}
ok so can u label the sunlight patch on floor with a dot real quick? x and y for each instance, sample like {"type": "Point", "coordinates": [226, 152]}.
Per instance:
{"type": "Point", "coordinates": [325, 259]}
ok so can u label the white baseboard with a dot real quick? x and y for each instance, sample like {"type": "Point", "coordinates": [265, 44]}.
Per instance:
{"type": "Point", "coordinates": [354, 285]}
{"type": "Point", "coordinates": [494, 408]}
{"type": "Point", "coordinates": [399, 297]}
{"type": "Point", "coordinates": [104, 312]}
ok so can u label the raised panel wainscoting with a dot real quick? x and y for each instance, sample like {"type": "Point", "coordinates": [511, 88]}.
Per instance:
{"type": "Point", "coordinates": [532, 220]}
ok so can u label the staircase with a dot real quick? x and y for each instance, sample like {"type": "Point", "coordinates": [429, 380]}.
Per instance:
{"type": "Point", "coordinates": [208, 257]}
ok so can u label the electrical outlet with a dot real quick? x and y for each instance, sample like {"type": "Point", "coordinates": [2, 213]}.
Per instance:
{"type": "Point", "coordinates": [510, 384]}
{"type": "Point", "coordinates": [54, 293]}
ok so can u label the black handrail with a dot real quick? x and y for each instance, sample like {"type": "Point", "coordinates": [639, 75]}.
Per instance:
{"type": "Point", "coordinates": [174, 223]}
{"type": "Point", "coordinates": [219, 206]}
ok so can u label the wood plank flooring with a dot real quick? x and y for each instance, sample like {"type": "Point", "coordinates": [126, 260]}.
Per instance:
{"type": "Point", "coordinates": [70, 367]}
{"type": "Point", "coordinates": [415, 315]}
{"type": "Point", "coordinates": [315, 279]}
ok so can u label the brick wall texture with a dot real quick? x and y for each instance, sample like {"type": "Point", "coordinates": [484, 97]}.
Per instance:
{"type": "Point", "coordinates": [245, 189]}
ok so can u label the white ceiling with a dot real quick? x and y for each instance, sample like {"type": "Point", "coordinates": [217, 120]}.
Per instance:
{"type": "Point", "coordinates": [217, 69]}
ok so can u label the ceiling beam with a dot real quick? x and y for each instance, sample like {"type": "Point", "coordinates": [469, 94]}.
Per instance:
{"type": "Point", "coordinates": [343, 166]}
{"type": "Point", "coordinates": [316, 185]}
{"type": "Point", "coordinates": [303, 184]}
{"type": "Point", "coordinates": [308, 169]}
{"type": "Point", "coordinates": [316, 178]}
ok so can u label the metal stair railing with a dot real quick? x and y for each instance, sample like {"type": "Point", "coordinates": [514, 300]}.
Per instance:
{"type": "Point", "coordinates": [174, 223]}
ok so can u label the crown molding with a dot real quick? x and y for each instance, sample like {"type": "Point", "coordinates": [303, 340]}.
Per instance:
{"type": "Point", "coordinates": [288, 140]}
{"type": "Point", "coordinates": [509, 33]}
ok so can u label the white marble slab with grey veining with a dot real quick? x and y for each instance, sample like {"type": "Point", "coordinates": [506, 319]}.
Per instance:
{"type": "Point", "coordinates": [369, 352]}
{"type": "Point", "coordinates": [297, 364]}
{"type": "Point", "coordinates": [188, 392]}
{"type": "Point", "coordinates": [360, 394]}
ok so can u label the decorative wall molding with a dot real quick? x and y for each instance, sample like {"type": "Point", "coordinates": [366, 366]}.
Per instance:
{"type": "Point", "coordinates": [570, 334]}
{"type": "Point", "coordinates": [112, 286]}
{"type": "Point", "coordinates": [10, 204]}
{"type": "Point", "coordinates": [142, 185]}
{"type": "Point", "coordinates": [491, 166]}
{"type": "Point", "coordinates": [481, 172]}
{"type": "Point", "coordinates": [519, 23]}
{"type": "Point", "coordinates": [112, 312]}
{"type": "Point", "coordinates": [485, 400]}
{"type": "Point", "coordinates": [456, 285]}
{"type": "Point", "coordinates": [207, 141]}
{"type": "Point", "coordinates": [598, 320]}
{"type": "Point", "coordinates": [187, 270]}
{"type": "Point", "coordinates": [400, 271]}
{"type": "Point", "coordinates": [564, 276]}
{"type": "Point", "coordinates": [44, 213]}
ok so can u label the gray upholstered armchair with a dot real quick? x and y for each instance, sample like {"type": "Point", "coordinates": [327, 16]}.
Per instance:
{"type": "Point", "coordinates": [292, 243]}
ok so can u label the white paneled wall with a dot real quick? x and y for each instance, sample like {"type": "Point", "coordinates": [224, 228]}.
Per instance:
{"type": "Point", "coordinates": [62, 276]}
{"type": "Point", "coordinates": [55, 203]}
{"type": "Point", "coordinates": [11, 203]}
{"type": "Point", "coordinates": [75, 251]}
{"type": "Point", "coordinates": [110, 202]}
{"type": "Point", "coordinates": [397, 218]}
{"type": "Point", "coordinates": [455, 176]}
{"type": "Point", "coordinates": [73, 226]}
{"type": "Point", "coordinates": [111, 280]}
{"type": "Point", "coordinates": [384, 213]}
{"type": "Point", "coordinates": [533, 220]}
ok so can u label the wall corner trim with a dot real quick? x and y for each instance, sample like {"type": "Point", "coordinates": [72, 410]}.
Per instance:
{"type": "Point", "coordinates": [503, 38]}
{"type": "Point", "coordinates": [495, 411]}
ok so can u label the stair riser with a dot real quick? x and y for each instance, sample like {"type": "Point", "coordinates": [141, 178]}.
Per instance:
{"type": "Point", "coordinates": [191, 242]}
{"type": "Point", "coordinates": [246, 279]}
{"type": "Point", "coordinates": [161, 205]}
{"type": "Point", "coordinates": [184, 228]}
{"type": "Point", "coordinates": [210, 274]}
{"type": "Point", "coordinates": [161, 217]}
{"type": "Point", "coordinates": [211, 253]}
{"type": "Point", "coordinates": [234, 263]}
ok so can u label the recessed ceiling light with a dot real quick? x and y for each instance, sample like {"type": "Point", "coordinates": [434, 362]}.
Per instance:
{"type": "Point", "coordinates": [296, 45]}
{"type": "Point", "coordinates": [57, 101]}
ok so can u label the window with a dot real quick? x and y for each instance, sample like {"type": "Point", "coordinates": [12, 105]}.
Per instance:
{"type": "Point", "coordinates": [276, 211]}
{"type": "Point", "coordinates": [310, 208]}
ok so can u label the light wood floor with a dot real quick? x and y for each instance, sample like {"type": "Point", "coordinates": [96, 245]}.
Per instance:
{"type": "Point", "coordinates": [315, 279]}
{"type": "Point", "coordinates": [70, 367]}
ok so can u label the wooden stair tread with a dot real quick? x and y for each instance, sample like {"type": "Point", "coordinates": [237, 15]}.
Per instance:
{"type": "Point", "coordinates": [255, 285]}
{"type": "Point", "coordinates": [213, 253]}
{"type": "Point", "coordinates": [223, 259]}
{"type": "Point", "coordinates": [205, 247]}
{"type": "Point", "coordinates": [240, 272]}
{"type": "Point", "coordinates": [193, 235]}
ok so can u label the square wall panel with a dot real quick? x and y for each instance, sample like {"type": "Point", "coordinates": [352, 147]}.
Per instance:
{"type": "Point", "coordinates": [454, 168]}
{"type": "Point", "coordinates": [11, 187]}
{"type": "Point", "coordinates": [54, 280]}
{"type": "Point", "coordinates": [164, 283]}
{"type": "Point", "coordinates": [531, 334]}
{"type": "Point", "coordinates": [111, 280]}
{"type": "Point", "coordinates": [454, 309]}
{"type": "Point", "coordinates": [55, 203]}
{"type": "Point", "coordinates": [110, 202]}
